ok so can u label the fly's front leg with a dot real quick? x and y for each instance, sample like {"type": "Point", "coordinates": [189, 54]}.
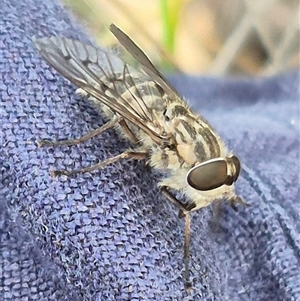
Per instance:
{"type": "Point", "coordinates": [186, 252]}
{"type": "Point", "coordinates": [184, 211]}
{"type": "Point", "coordinates": [183, 208]}
{"type": "Point", "coordinates": [237, 200]}
{"type": "Point", "coordinates": [124, 155]}
{"type": "Point", "coordinates": [171, 198]}
{"type": "Point", "coordinates": [84, 138]}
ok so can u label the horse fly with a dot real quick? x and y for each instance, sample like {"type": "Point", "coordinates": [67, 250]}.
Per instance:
{"type": "Point", "coordinates": [148, 110]}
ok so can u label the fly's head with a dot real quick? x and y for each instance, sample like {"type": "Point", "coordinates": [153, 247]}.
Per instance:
{"type": "Point", "coordinates": [215, 178]}
{"type": "Point", "coordinates": [214, 173]}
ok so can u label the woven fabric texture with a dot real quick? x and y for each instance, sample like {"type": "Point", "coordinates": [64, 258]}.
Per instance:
{"type": "Point", "coordinates": [110, 235]}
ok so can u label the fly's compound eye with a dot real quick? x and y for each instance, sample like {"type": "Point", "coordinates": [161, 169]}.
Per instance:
{"type": "Point", "coordinates": [214, 173]}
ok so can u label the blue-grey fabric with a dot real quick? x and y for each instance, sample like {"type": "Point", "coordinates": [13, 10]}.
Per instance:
{"type": "Point", "coordinates": [110, 235]}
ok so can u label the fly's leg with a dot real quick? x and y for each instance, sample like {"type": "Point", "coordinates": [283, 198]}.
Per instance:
{"type": "Point", "coordinates": [237, 200]}
{"type": "Point", "coordinates": [124, 155]}
{"type": "Point", "coordinates": [186, 256]}
{"type": "Point", "coordinates": [122, 122]}
{"type": "Point", "coordinates": [127, 131]}
{"type": "Point", "coordinates": [184, 211]}
{"type": "Point", "coordinates": [84, 138]}
{"type": "Point", "coordinates": [183, 208]}
{"type": "Point", "coordinates": [174, 200]}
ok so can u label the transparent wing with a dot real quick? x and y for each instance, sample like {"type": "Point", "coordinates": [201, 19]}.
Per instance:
{"type": "Point", "coordinates": [105, 77]}
{"type": "Point", "coordinates": [141, 57]}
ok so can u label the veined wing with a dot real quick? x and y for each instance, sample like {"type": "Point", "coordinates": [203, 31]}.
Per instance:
{"type": "Point", "coordinates": [102, 75]}
{"type": "Point", "coordinates": [141, 57]}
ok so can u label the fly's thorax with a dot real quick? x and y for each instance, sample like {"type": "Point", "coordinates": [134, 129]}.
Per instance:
{"type": "Point", "coordinates": [195, 139]}
{"type": "Point", "coordinates": [165, 159]}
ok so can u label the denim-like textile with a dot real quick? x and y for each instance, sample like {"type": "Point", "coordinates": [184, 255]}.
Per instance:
{"type": "Point", "coordinates": [110, 235]}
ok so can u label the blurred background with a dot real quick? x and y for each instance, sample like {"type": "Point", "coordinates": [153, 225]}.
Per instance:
{"type": "Point", "coordinates": [217, 37]}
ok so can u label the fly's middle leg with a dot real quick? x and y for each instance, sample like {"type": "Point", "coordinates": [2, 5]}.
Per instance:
{"type": "Point", "coordinates": [124, 155]}
{"type": "Point", "coordinates": [84, 138]}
